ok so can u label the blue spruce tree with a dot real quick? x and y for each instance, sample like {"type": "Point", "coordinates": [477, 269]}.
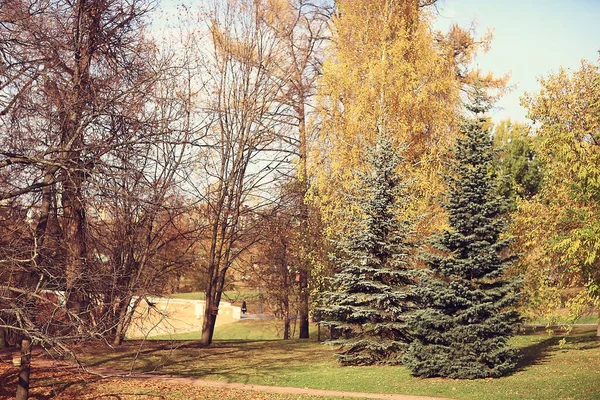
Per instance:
{"type": "Point", "coordinates": [370, 292]}
{"type": "Point", "coordinates": [466, 319]}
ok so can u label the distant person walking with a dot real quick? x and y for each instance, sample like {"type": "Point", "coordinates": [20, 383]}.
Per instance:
{"type": "Point", "coordinates": [244, 307]}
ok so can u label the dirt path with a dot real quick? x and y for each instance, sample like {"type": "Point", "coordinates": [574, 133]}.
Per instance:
{"type": "Point", "coordinates": [280, 389]}
{"type": "Point", "coordinates": [38, 361]}
{"type": "Point", "coordinates": [178, 380]}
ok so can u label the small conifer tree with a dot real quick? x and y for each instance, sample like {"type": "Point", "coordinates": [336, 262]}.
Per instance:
{"type": "Point", "coordinates": [466, 318]}
{"type": "Point", "coordinates": [370, 293]}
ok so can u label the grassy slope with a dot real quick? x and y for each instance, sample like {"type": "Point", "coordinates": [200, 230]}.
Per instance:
{"type": "Point", "coordinates": [251, 329]}
{"type": "Point", "coordinates": [230, 296]}
{"type": "Point", "coordinates": [234, 297]}
{"type": "Point", "coordinates": [547, 371]}
{"type": "Point", "coordinates": [557, 320]}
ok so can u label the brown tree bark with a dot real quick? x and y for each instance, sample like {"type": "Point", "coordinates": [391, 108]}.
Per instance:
{"type": "Point", "coordinates": [246, 96]}
{"type": "Point", "coordinates": [75, 242]}
{"type": "Point", "coordinates": [305, 267]}
{"type": "Point", "coordinates": [24, 371]}
{"type": "Point", "coordinates": [302, 46]}
{"type": "Point", "coordinates": [285, 301]}
{"type": "Point", "coordinates": [85, 37]}
{"type": "Point", "coordinates": [303, 330]}
{"type": "Point", "coordinates": [286, 325]}
{"type": "Point", "coordinates": [212, 294]}
{"type": "Point", "coordinates": [211, 309]}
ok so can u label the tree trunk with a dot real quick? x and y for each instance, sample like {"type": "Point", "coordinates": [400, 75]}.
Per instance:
{"type": "Point", "coordinates": [119, 336]}
{"type": "Point", "coordinates": [209, 320]}
{"type": "Point", "coordinates": [304, 268]}
{"type": "Point", "coordinates": [598, 330]}
{"type": "Point", "coordinates": [74, 239]}
{"type": "Point", "coordinates": [286, 319]}
{"type": "Point", "coordinates": [208, 325]}
{"type": "Point", "coordinates": [24, 372]}
{"type": "Point", "coordinates": [285, 301]}
{"type": "Point", "coordinates": [213, 298]}
{"type": "Point", "coordinates": [72, 141]}
{"type": "Point", "coordinates": [122, 324]}
{"type": "Point", "coordinates": [286, 328]}
{"type": "Point", "coordinates": [42, 225]}
{"type": "Point", "coordinates": [319, 332]}
{"type": "Point", "coordinates": [303, 312]}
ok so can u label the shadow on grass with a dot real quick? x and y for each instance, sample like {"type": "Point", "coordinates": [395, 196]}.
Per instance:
{"type": "Point", "coordinates": [231, 360]}
{"type": "Point", "coordinates": [537, 353]}
{"type": "Point", "coordinates": [540, 352]}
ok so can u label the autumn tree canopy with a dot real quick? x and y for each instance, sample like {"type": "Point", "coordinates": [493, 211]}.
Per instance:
{"type": "Point", "coordinates": [388, 71]}
{"type": "Point", "coordinates": [559, 226]}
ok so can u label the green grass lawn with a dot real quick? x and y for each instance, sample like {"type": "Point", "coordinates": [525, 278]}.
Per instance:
{"type": "Point", "coordinates": [252, 329]}
{"type": "Point", "coordinates": [547, 370]}
{"type": "Point", "coordinates": [234, 297]}
{"type": "Point", "coordinates": [558, 320]}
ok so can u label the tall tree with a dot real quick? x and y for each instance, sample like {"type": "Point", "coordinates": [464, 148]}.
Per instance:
{"type": "Point", "coordinates": [371, 290]}
{"type": "Point", "coordinates": [560, 226]}
{"type": "Point", "coordinates": [139, 232]}
{"type": "Point", "coordinates": [386, 66]}
{"type": "Point", "coordinates": [76, 94]}
{"type": "Point", "coordinates": [277, 258]}
{"type": "Point", "coordinates": [302, 29]}
{"type": "Point", "coordinates": [242, 154]}
{"type": "Point", "coordinates": [466, 319]}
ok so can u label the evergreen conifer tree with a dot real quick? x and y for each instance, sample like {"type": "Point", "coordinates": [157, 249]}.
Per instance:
{"type": "Point", "coordinates": [370, 296]}
{"type": "Point", "coordinates": [466, 318]}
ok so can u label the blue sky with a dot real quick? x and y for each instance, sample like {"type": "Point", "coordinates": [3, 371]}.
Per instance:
{"type": "Point", "coordinates": [532, 38]}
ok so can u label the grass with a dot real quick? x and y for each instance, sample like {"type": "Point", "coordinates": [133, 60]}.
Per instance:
{"type": "Point", "coordinates": [558, 320]}
{"type": "Point", "coordinates": [547, 370]}
{"type": "Point", "coordinates": [50, 383]}
{"type": "Point", "coordinates": [255, 329]}
{"type": "Point", "coordinates": [234, 297]}
{"type": "Point", "coordinates": [189, 296]}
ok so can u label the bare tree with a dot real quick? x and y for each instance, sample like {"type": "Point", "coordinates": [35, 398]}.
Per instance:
{"type": "Point", "coordinates": [241, 155]}
{"type": "Point", "coordinates": [278, 256]}
{"type": "Point", "coordinates": [140, 233]}
{"type": "Point", "coordinates": [81, 71]}
{"type": "Point", "coordinates": [303, 30]}
{"type": "Point", "coordinates": [261, 61]}
{"type": "Point", "coordinates": [82, 116]}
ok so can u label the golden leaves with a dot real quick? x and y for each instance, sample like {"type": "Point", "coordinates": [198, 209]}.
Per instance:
{"type": "Point", "coordinates": [387, 72]}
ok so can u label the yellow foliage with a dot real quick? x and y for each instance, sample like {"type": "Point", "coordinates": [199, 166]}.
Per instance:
{"type": "Point", "coordinates": [388, 72]}
{"type": "Point", "coordinates": [559, 229]}
{"type": "Point", "coordinates": [459, 45]}
{"type": "Point", "coordinates": [278, 13]}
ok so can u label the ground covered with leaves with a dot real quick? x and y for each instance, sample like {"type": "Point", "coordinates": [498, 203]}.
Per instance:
{"type": "Point", "coordinates": [53, 383]}
{"type": "Point", "coordinates": [550, 367]}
